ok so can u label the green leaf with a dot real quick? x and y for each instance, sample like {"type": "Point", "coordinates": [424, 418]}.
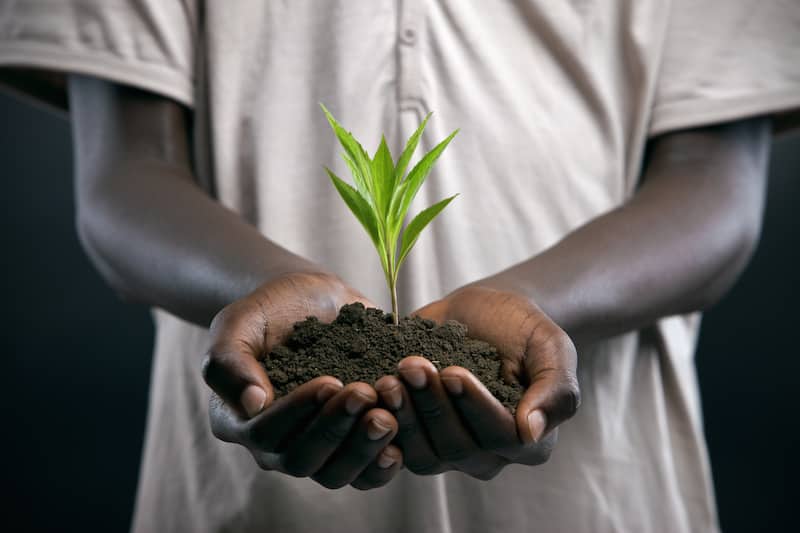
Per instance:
{"type": "Point", "coordinates": [416, 226]}
{"type": "Point", "coordinates": [411, 145]}
{"type": "Point", "coordinates": [394, 218]}
{"type": "Point", "coordinates": [356, 153]}
{"type": "Point", "coordinates": [383, 176]}
{"type": "Point", "coordinates": [358, 178]}
{"type": "Point", "coordinates": [383, 194]}
{"type": "Point", "coordinates": [363, 212]}
{"type": "Point", "coordinates": [418, 175]}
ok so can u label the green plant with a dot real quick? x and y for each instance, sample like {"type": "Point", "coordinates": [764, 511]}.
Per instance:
{"type": "Point", "coordinates": [383, 194]}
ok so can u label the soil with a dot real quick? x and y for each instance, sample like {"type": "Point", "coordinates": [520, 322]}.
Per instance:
{"type": "Point", "coordinates": [364, 345]}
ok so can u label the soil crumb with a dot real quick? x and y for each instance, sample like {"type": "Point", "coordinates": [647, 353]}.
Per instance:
{"type": "Point", "coordinates": [363, 345]}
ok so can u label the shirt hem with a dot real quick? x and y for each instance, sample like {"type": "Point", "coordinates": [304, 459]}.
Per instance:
{"type": "Point", "coordinates": [705, 111]}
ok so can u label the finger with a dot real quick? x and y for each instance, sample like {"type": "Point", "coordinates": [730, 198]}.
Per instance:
{"type": "Point", "coordinates": [308, 452]}
{"type": "Point", "coordinates": [490, 424]}
{"type": "Point", "coordinates": [288, 414]}
{"type": "Point", "coordinates": [365, 443]}
{"type": "Point", "coordinates": [418, 453]}
{"type": "Point", "coordinates": [381, 470]}
{"type": "Point", "coordinates": [450, 438]}
{"type": "Point", "coordinates": [231, 367]}
{"type": "Point", "coordinates": [226, 423]}
{"type": "Point", "coordinates": [553, 395]}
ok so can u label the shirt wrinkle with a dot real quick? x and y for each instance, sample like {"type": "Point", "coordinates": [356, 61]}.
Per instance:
{"type": "Point", "coordinates": [555, 103]}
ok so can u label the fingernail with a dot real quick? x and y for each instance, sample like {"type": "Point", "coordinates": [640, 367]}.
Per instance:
{"type": "Point", "coordinates": [453, 385]}
{"type": "Point", "coordinates": [354, 403]}
{"type": "Point", "coordinates": [327, 391]}
{"type": "Point", "coordinates": [414, 376]}
{"type": "Point", "coordinates": [252, 400]}
{"type": "Point", "coordinates": [537, 423]}
{"type": "Point", "coordinates": [394, 398]}
{"type": "Point", "coordinates": [376, 430]}
{"type": "Point", "coordinates": [385, 461]}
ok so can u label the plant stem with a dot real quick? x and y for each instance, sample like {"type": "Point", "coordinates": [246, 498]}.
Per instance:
{"type": "Point", "coordinates": [395, 314]}
{"type": "Point", "coordinates": [391, 278]}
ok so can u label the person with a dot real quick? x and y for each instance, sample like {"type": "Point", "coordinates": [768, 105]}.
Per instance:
{"type": "Point", "coordinates": [611, 168]}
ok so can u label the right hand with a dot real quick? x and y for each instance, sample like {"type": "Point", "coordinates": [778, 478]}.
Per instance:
{"type": "Point", "coordinates": [322, 429]}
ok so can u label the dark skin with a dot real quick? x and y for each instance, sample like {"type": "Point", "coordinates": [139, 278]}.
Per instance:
{"type": "Point", "coordinates": [676, 246]}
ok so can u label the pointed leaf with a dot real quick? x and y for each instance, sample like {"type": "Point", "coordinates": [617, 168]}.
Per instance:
{"type": "Point", "coordinates": [411, 145]}
{"type": "Point", "coordinates": [416, 226]}
{"type": "Point", "coordinates": [393, 217]}
{"type": "Point", "coordinates": [358, 178]}
{"type": "Point", "coordinates": [419, 173]}
{"type": "Point", "coordinates": [354, 151]}
{"type": "Point", "coordinates": [383, 175]}
{"type": "Point", "coordinates": [363, 213]}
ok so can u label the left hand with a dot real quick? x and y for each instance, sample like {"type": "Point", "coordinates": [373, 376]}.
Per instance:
{"type": "Point", "coordinates": [448, 420]}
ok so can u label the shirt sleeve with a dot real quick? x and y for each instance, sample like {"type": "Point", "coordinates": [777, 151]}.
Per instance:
{"type": "Point", "coordinates": [725, 60]}
{"type": "Point", "coordinates": [149, 44]}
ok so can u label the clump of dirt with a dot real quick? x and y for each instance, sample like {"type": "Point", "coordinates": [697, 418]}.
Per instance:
{"type": "Point", "coordinates": [364, 345]}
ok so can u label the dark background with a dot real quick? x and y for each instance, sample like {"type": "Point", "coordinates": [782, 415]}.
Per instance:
{"type": "Point", "coordinates": [75, 388]}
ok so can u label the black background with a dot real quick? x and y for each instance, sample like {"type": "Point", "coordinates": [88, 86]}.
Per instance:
{"type": "Point", "coordinates": [75, 386]}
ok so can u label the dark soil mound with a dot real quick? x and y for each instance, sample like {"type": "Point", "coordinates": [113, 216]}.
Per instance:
{"type": "Point", "coordinates": [364, 345]}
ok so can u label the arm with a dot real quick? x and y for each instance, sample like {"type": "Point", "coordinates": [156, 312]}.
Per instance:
{"type": "Point", "coordinates": [675, 247]}
{"type": "Point", "coordinates": [158, 238]}
{"type": "Point", "coordinates": [152, 232]}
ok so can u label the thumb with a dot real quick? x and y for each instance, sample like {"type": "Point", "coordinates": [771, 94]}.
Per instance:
{"type": "Point", "coordinates": [435, 311]}
{"type": "Point", "coordinates": [553, 395]}
{"type": "Point", "coordinates": [231, 366]}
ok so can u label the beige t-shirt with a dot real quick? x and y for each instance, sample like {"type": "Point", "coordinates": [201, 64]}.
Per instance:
{"type": "Point", "coordinates": [555, 101]}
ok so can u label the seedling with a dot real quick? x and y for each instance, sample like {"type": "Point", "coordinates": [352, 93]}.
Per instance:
{"type": "Point", "coordinates": [383, 194]}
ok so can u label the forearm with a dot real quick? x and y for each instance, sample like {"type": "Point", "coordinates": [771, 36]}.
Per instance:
{"type": "Point", "coordinates": [675, 247]}
{"type": "Point", "coordinates": [157, 238]}
{"type": "Point", "coordinates": [152, 232]}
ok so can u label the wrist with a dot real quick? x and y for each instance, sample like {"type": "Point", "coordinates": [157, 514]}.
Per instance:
{"type": "Point", "coordinates": [519, 280]}
{"type": "Point", "coordinates": [323, 292]}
